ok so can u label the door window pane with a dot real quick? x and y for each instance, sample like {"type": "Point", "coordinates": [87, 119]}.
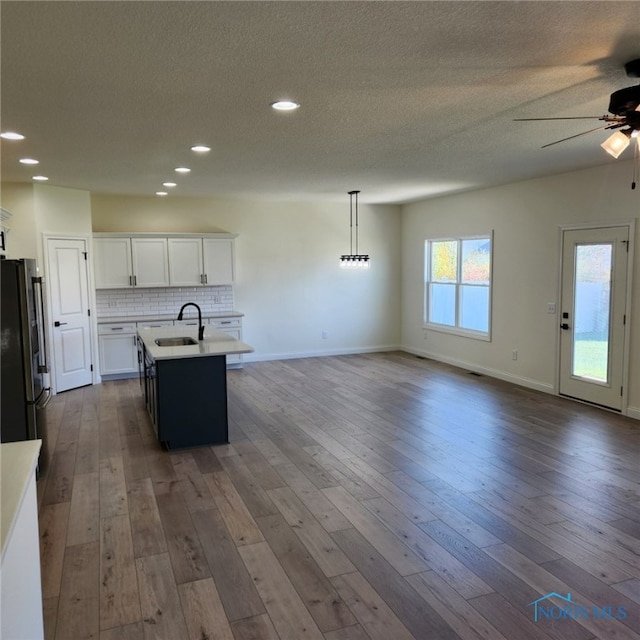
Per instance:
{"type": "Point", "coordinates": [591, 313]}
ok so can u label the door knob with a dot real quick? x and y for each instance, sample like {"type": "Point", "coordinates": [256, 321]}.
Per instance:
{"type": "Point", "coordinates": [57, 324]}
{"type": "Point", "coordinates": [564, 326]}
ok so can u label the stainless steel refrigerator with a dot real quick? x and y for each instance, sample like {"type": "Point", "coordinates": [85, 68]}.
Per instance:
{"type": "Point", "coordinates": [23, 358]}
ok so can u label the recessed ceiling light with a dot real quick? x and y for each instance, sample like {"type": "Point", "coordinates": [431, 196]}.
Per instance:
{"type": "Point", "coordinates": [285, 105]}
{"type": "Point", "coordinates": [40, 178]}
{"type": "Point", "coordinates": [11, 135]}
{"type": "Point", "coordinates": [169, 184]}
{"type": "Point", "coordinates": [182, 169]}
{"type": "Point", "coordinates": [200, 148]}
{"type": "Point", "coordinates": [161, 193]}
{"type": "Point", "coordinates": [28, 161]}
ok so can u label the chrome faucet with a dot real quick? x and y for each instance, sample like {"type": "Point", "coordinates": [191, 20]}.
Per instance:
{"type": "Point", "coordinates": [200, 325]}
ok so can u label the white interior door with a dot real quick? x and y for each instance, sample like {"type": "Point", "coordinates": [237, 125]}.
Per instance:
{"type": "Point", "coordinates": [592, 324]}
{"type": "Point", "coordinates": [68, 283]}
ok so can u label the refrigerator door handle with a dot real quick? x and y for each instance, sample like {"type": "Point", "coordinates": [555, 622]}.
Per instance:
{"type": "Point", "coordinates": [46, 392]}
{"type": "Point", "coordinates": [43, 366]}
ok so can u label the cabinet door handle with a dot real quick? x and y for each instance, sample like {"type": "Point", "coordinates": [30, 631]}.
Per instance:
{"type": "Point", "coordinates": [135, 281]}
{"type": "Point", "coordinates": [205, 278]}
{"type": "Point", "coordinates": [117, 328]}
{"type": "Point", "coordinates": [130, 281]}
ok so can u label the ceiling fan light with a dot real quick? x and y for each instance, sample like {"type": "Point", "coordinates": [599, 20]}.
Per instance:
{"type": "Point", "coordinates": [616, 143]}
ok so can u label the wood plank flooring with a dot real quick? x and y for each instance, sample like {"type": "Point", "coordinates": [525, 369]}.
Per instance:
{"type": "Point", "coordinates": [364, 497]}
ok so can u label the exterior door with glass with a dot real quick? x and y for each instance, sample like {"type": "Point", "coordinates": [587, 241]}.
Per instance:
{"type": "Point", "coordinates": [592, 323]}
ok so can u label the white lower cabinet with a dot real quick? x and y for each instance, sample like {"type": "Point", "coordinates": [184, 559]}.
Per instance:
{"type": "Point", "coordinates": [118, 349]}
{"type": "Point", "coordinates": [154, 324]}
{"type": "Point", "coordinates": [118, 346]}
{"type": "Point", "coordinates": [232, 326]}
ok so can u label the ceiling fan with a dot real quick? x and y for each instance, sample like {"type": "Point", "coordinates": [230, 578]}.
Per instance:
{"type": "Point", "coordinates": [623, 116]}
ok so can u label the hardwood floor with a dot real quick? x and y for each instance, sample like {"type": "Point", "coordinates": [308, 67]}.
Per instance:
{"type": "Point", "coordinates": [375, 496]}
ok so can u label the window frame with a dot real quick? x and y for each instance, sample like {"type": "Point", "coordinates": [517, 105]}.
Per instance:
{"type": "Point", "coordinates": [457, 329]}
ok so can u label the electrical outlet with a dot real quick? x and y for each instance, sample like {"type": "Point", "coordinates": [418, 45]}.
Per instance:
{"type": "Point", "coordinates": [551, 307]}
{"type": "Point", "coordinates": [514, 354]}
{"type": "Point", "coordinates": [325, 335]}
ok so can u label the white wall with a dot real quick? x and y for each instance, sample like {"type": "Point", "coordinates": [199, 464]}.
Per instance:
{"type": "Point", "coordinates": [291, 290]}
{"type": "Point", "coordinates": [38, 209]}
{"type": "Point", "coordinates": [289, 284]}
{"type": "Point", "coordinates": [41, 209]}
{"type": "Point", "coordinates": [62, 211]}
{"type": "Point", "coordinates": [22, 240]}
{"type": "Point", "coordinates": [526, 218]}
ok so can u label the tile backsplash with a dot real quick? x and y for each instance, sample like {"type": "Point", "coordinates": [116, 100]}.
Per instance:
{"type": "Point", "coordinates": [162, 301]}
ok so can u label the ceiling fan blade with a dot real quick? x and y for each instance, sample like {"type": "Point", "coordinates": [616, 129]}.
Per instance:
{"type": "Point", "coordinates": [584, 133]}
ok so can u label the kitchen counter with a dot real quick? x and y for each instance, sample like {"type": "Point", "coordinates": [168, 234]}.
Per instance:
{"type": "Point", "coordinates": [215, 343]}
{"type": "Point", "coordinates": [185, 387]}
{"type": "Point", "coordinates": [21, 593]}
{"type": "Point", "coordinates": [205, 316]}
{"type": "Point", "coordinates": [18, 464]}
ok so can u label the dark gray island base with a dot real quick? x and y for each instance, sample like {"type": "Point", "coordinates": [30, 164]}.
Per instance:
{"type": "Point", "coordinates": [191, 402]}
{"type": "Point", "coordinates": [185, 388]}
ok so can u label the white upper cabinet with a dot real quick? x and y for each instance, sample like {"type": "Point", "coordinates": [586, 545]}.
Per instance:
{"type": "Point", "coordinates": [185, 262]}
{"type": "Point", "coordinates": [156, 261]}
{"type": "Point", "coordinates": [201, 261]}
{"type": "Point", "coordinates": [219, 263]}
{"type": "Point", "coordinates": [150, 262]}
{"type": "Point", "coordinates": [130, 262]}
{"type": "Point", "coordinates": [112, 263]}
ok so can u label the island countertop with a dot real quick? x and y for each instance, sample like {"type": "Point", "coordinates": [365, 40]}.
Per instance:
{"type": "Point", "coordinates": [215, 343]}
{"type": "Point", "coordinates": [18, 462]}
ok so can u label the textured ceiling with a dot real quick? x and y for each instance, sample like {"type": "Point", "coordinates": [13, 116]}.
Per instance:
{"type": "Point", "coordinates": [402, 100]}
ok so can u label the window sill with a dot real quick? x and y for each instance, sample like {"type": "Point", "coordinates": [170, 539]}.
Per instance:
{"type": "Point", "coordinates": [463, 333]}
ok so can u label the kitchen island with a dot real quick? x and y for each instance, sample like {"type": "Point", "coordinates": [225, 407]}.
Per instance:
{"type": "Point", "coordinates": [21, 593]}
{"type": "Point", "coordinates": [185, 385]}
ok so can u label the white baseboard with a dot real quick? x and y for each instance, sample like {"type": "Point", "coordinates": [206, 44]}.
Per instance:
{"type": "Point", "coordinates": [529, 383]}
{"type": "Point", "coordinates": [265, 357]}
{"type": "Point", "coordinates": [522, 381]}
{"type": "Point", "coordinates": [633, 412]}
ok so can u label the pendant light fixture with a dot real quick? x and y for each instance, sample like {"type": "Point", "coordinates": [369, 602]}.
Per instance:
{"type": "Point", "coordinates": [354, 260]}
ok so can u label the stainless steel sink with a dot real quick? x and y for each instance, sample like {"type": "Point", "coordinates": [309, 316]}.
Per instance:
{"type": "Point", "coordinates": [178, 341]}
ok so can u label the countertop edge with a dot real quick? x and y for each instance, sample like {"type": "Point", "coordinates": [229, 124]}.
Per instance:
{"type": "Point", "coordinates": [215, 343]}
{"type": "Point", "coordinates": [18, 462]}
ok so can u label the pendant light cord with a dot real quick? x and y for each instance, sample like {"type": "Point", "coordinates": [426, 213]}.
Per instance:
{"type": "Point", "coordinates": [351, 194]}
{"type": "Point", "coordinates": [636, 164]}
{"type": "Point", "coordinates": [351, 222]}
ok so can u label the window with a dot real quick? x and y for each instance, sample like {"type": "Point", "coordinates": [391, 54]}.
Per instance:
{"type": "Point", "coordinates": [458, 286]}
